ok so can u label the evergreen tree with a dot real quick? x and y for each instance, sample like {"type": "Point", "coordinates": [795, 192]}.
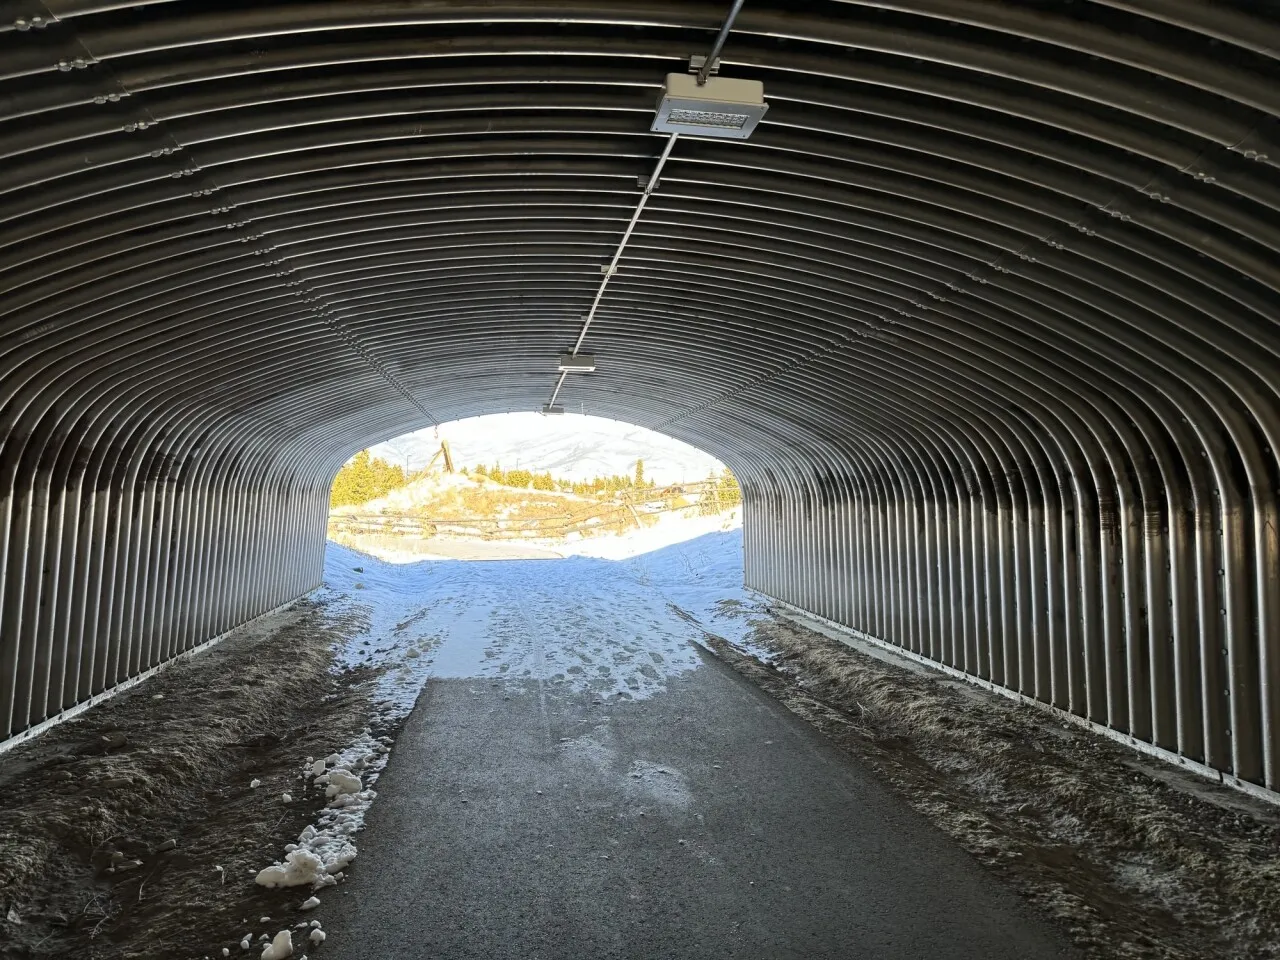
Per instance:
{"type": "Point", "coordinates": [639, 473]}
{"type": "Point", "coordinates": [730, 492]}
{"type": "Point", "coordinates": [364, 478]}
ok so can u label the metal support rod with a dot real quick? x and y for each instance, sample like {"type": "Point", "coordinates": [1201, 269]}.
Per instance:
{"type": "Point", "coordinates": [709, 64]}
{"type": "Point", "coordinates": [617, 254]}
{"type": "Point", "coordinates": [652, 185]}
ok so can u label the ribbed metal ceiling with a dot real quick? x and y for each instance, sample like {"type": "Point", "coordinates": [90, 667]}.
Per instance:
{"type": "Point", "coordinates": [996, 280]}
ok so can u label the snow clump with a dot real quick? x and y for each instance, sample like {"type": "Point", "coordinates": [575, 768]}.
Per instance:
{"type": "Point", "coordinates": [279, 948]}
{"type": "Point", "coordinates": [325, 849]}
{"type": "Point", "coordinates": [301, 866]}
{"type": "Point", "coordinates": [342, 782]}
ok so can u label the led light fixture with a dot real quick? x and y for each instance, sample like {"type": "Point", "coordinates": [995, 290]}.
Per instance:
{"type": "Point", "coordinates": [577, 363]}
{"type": "Point", "coordinates": [721, 107]}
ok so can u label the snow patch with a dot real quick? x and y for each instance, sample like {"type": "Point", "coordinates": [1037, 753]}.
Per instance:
{"type": "Point", "coordinates": [325, 849]}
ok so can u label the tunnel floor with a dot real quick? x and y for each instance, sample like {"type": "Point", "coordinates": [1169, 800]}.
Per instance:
{"type": "Point", "coordinates": [524, 818]}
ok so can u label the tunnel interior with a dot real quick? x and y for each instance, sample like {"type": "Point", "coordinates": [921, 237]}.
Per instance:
{"type": "Point", "coordinates": [983, 315]}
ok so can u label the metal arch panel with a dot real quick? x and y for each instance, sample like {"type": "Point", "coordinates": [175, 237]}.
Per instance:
{"type": "Point", "coordinates": [988, 317]}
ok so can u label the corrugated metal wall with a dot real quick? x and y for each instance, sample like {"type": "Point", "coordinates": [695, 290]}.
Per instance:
{"type": "Point", "coordinates": [985, 314]}
{"type": "Point", "coordinates": [115, 560]}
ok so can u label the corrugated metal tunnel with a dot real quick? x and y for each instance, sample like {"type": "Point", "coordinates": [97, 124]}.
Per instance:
{"type": "Point", "coordinates": [983, 314]}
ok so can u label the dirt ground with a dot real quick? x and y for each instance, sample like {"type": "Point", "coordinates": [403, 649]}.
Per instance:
{"type": "Point", "coordinates": [133, 831]}
{"type": "Point", "coordinates": [1133, 857]}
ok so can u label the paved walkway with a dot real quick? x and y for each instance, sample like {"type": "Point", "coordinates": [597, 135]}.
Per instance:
{"type": "Point", "coordinates": [528, 817]}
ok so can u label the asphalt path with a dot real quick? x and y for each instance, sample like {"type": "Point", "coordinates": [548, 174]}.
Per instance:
{"type": "Point", "coordinates": [526, 818]}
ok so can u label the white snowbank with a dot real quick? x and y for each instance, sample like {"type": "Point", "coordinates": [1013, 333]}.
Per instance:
{"type": "Point", "coordinates": [671, 530]}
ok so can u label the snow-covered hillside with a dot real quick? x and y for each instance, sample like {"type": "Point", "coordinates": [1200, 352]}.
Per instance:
{"type": "Point", "coordinates": [572, 446]}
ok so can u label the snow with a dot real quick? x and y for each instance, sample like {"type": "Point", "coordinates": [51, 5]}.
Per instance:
{"type": "Point", "coordinates": [309, 904]}
{"type": "Point", "coordinates": [300, 866]}
{"type": "Point", "coordinates": [279, 948]}
{"type": "Point", "coordinates": [341, 783]}
{"type": "Point", "coordinates": [325, 848]}
{"type": "Point", "coordinates": [456, 619]}
{"type": "Point", "coordinates": [670, 530]}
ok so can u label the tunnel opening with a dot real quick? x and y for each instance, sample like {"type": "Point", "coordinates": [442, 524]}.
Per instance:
{"type": "Point", "coordinates": [528, 486]}
{"type": "Point", "coordinates": [982, 319]}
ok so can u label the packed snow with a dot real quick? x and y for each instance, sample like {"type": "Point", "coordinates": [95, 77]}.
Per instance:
{"type": "Point", "coordinates": [468, 619]}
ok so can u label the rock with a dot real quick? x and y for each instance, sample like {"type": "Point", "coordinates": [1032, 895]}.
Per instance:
{"type": "Point", "coordinates": [167, 846]}
{"type": "Point", "coordinates": [114, 740]}
{"type": "Point", "coordinates": [115, 783]}
{"type": "Point", "coordinates": [128, 865]}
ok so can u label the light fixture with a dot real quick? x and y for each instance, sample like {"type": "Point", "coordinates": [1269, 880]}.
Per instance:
{"type": "Point", "coordinates": [577, 363]}
{"type": "Point", "coordinates": [552, 410]}
{"type": "Point", "coordinates": [721, 107]}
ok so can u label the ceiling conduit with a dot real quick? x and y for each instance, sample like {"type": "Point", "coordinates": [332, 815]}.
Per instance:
{"type": "Point", "coordinates": [983, 314]}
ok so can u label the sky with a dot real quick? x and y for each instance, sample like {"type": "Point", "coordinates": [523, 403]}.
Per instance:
{"type": "Point", "coordinates": [571, 446]}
